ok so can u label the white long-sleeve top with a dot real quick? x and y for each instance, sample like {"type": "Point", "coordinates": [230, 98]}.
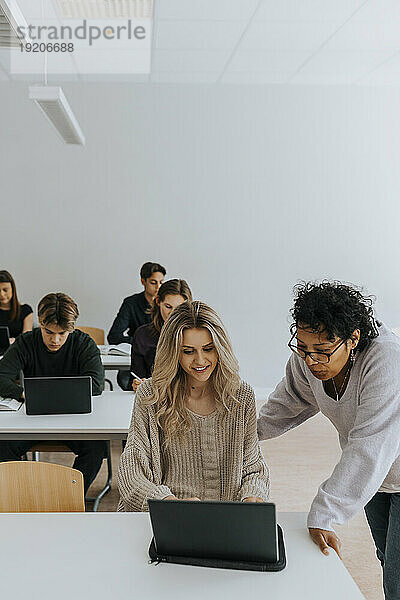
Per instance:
{"type": "Point", "coordinates": [367, 418]}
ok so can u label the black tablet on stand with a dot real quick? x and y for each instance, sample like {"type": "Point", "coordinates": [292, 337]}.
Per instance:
{"type": "Point", "coordinates": [230, 535]}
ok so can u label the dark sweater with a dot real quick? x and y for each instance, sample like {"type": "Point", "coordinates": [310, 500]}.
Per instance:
{"type": "Point", "coordinates": [78, 356]}
{"type": "Point", "coordinates": [144, 346]}
{"type": "Point", "coordinates": [15, 327]}
{"type": "Point", "coordinates": [132, 314]}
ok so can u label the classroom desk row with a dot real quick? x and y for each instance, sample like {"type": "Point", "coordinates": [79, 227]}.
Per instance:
{"type": "Point", "coordinates": [109, 420]}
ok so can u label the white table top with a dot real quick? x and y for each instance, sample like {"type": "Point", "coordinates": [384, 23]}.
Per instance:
{"type": "Point", "coordinates": [112, 362]}
{"type": "Point", "coordinates": [104, 555]}
{"type": "Point", "coordinates": [110, 419]}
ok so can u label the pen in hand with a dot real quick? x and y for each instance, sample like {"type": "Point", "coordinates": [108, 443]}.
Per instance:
{"type": "Point", "coordinates": [136, 381]}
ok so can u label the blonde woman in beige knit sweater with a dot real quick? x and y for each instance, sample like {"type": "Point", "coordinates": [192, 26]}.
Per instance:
{"type": "Point", "coordinates": [193, 433]}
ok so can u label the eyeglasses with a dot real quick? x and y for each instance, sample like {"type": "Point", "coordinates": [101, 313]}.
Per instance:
{"type": "Point", "coordinates": [320, 357]}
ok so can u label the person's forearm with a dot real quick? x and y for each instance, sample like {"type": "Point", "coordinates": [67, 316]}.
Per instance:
{"type": "Point", "coordinates": [90, 364]}
{"type": "Point", "coordinates": [120, 324]}
{"type": "Point", "coordinates": [9, 389]}
{"type": "Point", "coordinates": [355, 479]}
{"type": "Point", "coordinates": [11, 366]}
{"type": "Point", "coordinates": [118, 337]}
{"type": "Point", "coordinates": [98, 382]}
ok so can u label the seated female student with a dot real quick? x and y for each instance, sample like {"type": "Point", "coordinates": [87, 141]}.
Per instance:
{"type": "Point", "coordinates": [346, 365]}
{"type": "Point", "coordinates": [171, 294]}
{"type": "Point", "coordinates": [193, 432]}
{"type": "Point", "coordinates": [14, 315]}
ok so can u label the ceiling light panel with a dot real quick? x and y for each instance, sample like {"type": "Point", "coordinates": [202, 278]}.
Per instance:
{"type": "Point", "coordinates": [106, 9]}
{"type": "Point", "coordinates": [10, 19]}
{"type": "Point", "coordinates": [56, 109]}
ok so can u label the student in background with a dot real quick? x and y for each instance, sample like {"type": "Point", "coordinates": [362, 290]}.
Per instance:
{"type": "Point", "coordinates": [57, 349]}
{"type": "Point", "coordinates": [193, 433]}
{"type": "Point", "coordinates": [346, 365]}
{"type": "Point", "coordinates": [14, 315]}
{"type": "Point", "coordinates": [171, 294]}
{"type": "Point", "coordinates": [135, 311]}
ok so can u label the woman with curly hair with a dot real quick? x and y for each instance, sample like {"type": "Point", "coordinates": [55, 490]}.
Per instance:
{"type": "Point", "coordinates": [193, 434]}
{"type": "Point", "coordinates": [346, 365]}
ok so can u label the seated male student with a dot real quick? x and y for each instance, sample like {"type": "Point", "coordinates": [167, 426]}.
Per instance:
{"type": "Point", "coordinates": [55, 349]}
{"type": "Point", "coordinates": [135, 311]}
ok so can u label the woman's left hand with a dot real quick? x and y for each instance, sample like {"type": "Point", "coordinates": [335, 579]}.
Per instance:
{"type": "Point", "coordinates": [253, 499]}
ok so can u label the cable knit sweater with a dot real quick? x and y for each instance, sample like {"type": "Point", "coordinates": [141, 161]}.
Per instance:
{"type": "Point", "coordinates": [219, 459]}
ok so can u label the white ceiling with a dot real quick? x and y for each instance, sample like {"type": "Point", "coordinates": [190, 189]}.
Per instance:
{"type": "Point", "coordinates": [328, 42]}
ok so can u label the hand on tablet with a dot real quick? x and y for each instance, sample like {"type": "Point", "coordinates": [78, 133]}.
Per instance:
{"type": "Point", "coordinates": [325, 540]}
{"type": "Point", "coordinates": [253, 499]}
{"type": "Point", "coordinates": [194, 499]}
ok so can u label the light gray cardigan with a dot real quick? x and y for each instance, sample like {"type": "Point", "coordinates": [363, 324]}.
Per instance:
{"type": "Point", "coordinates": [367, 418]}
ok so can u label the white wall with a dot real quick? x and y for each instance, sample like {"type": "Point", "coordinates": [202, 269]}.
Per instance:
{"type": "Point", "coordinates": [240, 190]}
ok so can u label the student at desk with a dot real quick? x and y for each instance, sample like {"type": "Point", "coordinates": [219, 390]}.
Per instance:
{"type": "Point", "coordinates": [193, 432]}
{"type": "Point", "coordinates": [135, 311]}
{"type": "Point", "coordinates": [171, 294]}
{"type": "Point", "coordinates": [346, 365]}
{"type": "Point", "coordinates": [56, 349]}
{"type": "Point", "coordinates": [14, 315]}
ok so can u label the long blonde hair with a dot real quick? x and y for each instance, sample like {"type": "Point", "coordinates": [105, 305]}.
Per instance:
{"type": "Point", "coordinates": [170, 384]}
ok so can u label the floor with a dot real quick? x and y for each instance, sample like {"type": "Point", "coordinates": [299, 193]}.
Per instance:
{"type": "Point", "coordinates": [299, 461]}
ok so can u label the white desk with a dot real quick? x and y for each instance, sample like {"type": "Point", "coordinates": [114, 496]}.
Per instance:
{"type": "Point", "coordinates": [64, 556]}
{"type": "Point", "coordinates": [112, 362]}
{"type": "Point", "coordinates": [110, 419]}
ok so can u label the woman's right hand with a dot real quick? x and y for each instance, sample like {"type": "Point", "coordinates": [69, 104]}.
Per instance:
{"type": "Point", "coordinates": [136, 383]}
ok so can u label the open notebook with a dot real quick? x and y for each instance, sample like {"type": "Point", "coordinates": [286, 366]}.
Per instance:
{"type": "Point", "coordinates": [9, 404]}
{"type": "Point", "coordinates": [117, 350]}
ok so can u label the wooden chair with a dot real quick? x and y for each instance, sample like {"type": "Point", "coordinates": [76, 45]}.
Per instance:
{"type": "Point", "coordinates": [40, 487]}
{"type": "Point", "coordinates": [60, 447]}
{"type": "Point", "coordinates": [97, 336]}
{"type": "Point", "coordinates": [95, 333]}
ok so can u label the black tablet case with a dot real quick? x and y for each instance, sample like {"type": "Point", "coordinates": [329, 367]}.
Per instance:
{"type": "Point", "coordinates": [224, 564]}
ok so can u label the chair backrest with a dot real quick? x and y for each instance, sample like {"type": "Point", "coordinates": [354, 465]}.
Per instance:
{"type": "Point", "coordinates": [95, 333]}
{"type": "Point", "coordinates": [27, 486]}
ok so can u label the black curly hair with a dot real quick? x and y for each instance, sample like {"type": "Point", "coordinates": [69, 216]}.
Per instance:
{"type": "Point", "coordinates": [336, 308]}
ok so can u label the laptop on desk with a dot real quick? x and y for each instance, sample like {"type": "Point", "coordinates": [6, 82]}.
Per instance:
{"type": "Point", "coordinates": [58, 395]}
{"type": "Point", "coordinates": [233, 535]}
{"type": "Point", "coordinates": [4, 339]}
